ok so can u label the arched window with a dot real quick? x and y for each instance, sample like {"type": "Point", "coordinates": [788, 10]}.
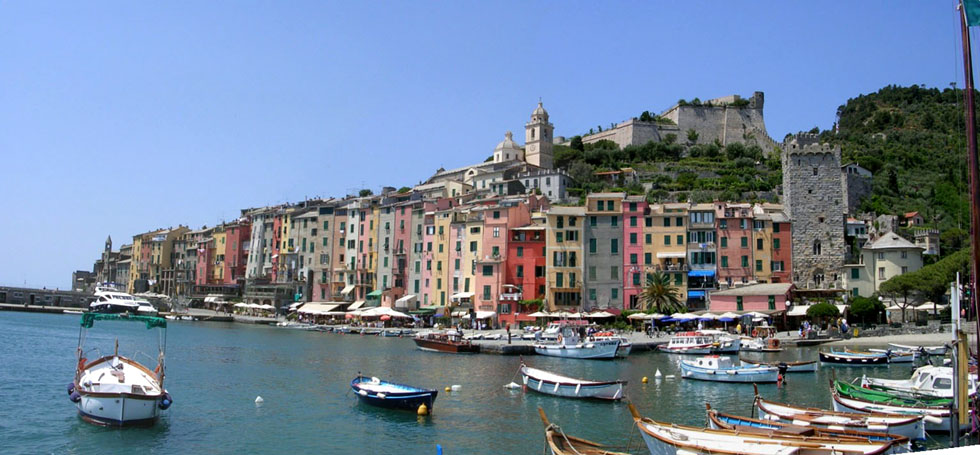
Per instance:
{"type": "Point", "coordinates": [817, 247]}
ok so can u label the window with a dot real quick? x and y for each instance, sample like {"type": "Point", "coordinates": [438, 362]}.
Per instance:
{"type": "Point", "coordinates": [775, 227]}
{"type": "Point", "coordinates": [854, 292]}
{"type": "Point", "coordinates": [614, 246]}
{"type": "Point", "coordinates": [455, 263]}
{"type": "Point", "coordinates": [772, 302]}
{"type": "Point", "coordinates": [472, 247]}
{"type": "Point", "coordinates": [539, 272]}
{"type": "Point", "coordinates": [488, 270]}
{"type": "Point", "coordinates": [814, 171]}
{"type": "Point", "coordinates": [633, 208]}
{"type": "Point", "coordinates": [775, 244]}
{"type": "Point", "coordinates": [855, 274]}
{"type": "Point", "coordinates": [817, 249]}
{"type": "Point", "coordinates": [745, 242]}
{"type": "Point", "coordinates": [614, 294]}
{"type": "Point", "coordinates": [496, 214]}
{"type": "Point", "coordinates": [440, 247]}
{"type": "Point", "coordinates": [648, 222]}
{"type": "Point", "coordinates": [666, 221]}
{"type": "Point", "coordinates": [592, 294]}
{"type": "Point", "coordinates": [520, 271]}
{"type": "Point", "coordinates": [520, 251]}
{"type": "Point", "coordinates": [633, 258]}
{"type": "Point", "coordinates": [667, 240]}
{"type": "Point", "coordinates": [600, 205]}
{"type": "Point", "coordinates": [678, 279]}
{"type": "Point", "coordinates": [881, 273]}
{"type": "Point", "coordinates": [648, 258]}
{"type": "Point", "coordinates": [559, 280]}
{"type": "Point", "coordinates": [745, 261]}
{"type": "Point", "coordinates": [724, 242]}
{"type": "Point", "coordinates": [559, 237]}
{"type": "Point", "coordinates": [758, 265]}
{"type": "Point", "coordinates": [632, 221]}
{"type": "Point", "coordinates": [592, 246]}
{"type": "Point", "coordinates": [614, 273]}
{"type": "Point", "coordinates": [614, 220]}
{"type": "Point", "coordinates": [723, 224]}
{"type": "Point", "coordinates": [758, 244]}
{"type": "Point", "coordinates": [738, 303]}
{"type": "Point", "coordinates": [905, 270]}
{"type": "Point", "coordinates": [905, 254]}
{"type": "Point", "coordinates": [680, 239]}
{"type": "Point", "coordinates": [571, 221]}
{"type": "Point", "coordinates": [648, 238]}
{"type": "Point", "coordinates": [496, 232]}
{"type": "Point", "coordinates": [560, 222]}
{"type": "Point", "coordinates": [593, 220]}
{"type": "Point", "coordinates": [636, 279]}
{"type": "Point", "coordinates": [724, 262]}
{"type": "Point", "coordinates": [633, 238]}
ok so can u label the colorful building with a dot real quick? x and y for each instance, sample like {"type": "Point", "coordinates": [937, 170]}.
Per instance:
{"type": "Point", "coordinates": [634, 213]}
{"type": "Point", "coordinates": [565, 265]}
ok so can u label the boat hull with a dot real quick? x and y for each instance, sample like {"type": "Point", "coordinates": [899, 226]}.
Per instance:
{"type": "Point", "coordinates": [612, 390]}
{"type": "Point", "coordinates": [119, 410]}
{"type": "Point", "coordinates": [911, 427]}
{"type": "Point", "coordinates": [409, 399]}
{"type": "Point", "coordinates": [846, 359]}
{"type": "Point", "coordinates": [738, 375]}
{"type": "Point", "coordinates": [600, 349]}
{"type": "Point", "coordinates": [791, 367]}
{"type": "Point", "coordinates": [442, 346]}
{"type": "Point", "coordinates": [936, 421]}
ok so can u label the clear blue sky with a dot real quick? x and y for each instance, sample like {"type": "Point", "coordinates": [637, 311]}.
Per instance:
{"type": "Point", "coordinates": [120, 117]}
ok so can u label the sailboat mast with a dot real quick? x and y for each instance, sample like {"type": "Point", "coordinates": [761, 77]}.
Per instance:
{"type": "Point", "coordinates": [971, 147]}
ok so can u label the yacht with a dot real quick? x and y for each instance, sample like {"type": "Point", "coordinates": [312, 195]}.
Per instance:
{"type": "Point", "coordinates": [702, 342]}
{"type": "Point", "coordinates": [114, 302]}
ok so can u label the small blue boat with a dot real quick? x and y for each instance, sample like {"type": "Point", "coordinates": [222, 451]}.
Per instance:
{"type": "Point", "coordinates": [377, 392]}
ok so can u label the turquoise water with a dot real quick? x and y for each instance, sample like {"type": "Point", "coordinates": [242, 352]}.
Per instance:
{"type": "Point", "coordinates": [215, 371]}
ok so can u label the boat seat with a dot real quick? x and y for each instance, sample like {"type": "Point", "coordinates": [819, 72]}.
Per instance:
{"type": "Point", "coordinates": [788, 429]}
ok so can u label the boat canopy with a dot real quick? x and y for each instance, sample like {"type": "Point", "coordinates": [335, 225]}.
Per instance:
{"type": "Point", "coordinates": [88, 319]}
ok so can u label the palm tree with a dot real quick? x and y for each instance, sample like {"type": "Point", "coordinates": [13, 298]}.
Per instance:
{"type": "Point", "coordinates": [660, 295]}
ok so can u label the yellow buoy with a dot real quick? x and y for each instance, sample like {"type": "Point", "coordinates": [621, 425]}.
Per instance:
{"type": "Point", "coordinates": [447, 389]}
{"type": "Point", "coordinates": [645, 379]}
{"type": "Point", "coordinates": [423, 409]}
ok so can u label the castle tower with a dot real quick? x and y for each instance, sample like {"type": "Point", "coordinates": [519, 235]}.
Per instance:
{"type": "Point", "coordinates": [814, 200]}
{"type": "Point", "coordinates": [538, 137]}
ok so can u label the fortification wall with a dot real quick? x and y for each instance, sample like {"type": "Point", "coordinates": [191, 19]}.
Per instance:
{"type": "Point", "coordinates": [630, 132]}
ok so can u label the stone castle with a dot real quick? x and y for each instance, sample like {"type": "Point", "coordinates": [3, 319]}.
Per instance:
{"type": "Point", "coordinates": [727, 120]}
{"type": "Point", "coordinates": [813, 196]}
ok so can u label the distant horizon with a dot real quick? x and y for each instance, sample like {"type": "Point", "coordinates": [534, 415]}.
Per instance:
{"type": "Point", "coordinates": [124, 118]}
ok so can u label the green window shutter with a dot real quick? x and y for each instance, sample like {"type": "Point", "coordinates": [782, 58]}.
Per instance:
{"type": "Point", "coordinates": [724, 261]}
{"type": "Point", "coordinates": [745, 261]}
{"type": "Point", "coordinates": [758, 265]}
{"type": "Point", "coordinates": [724, 242]}
{"type": "Point", "coordinates": [745, 242]}
{"type": "Point", "coordinates": [772, 302]}
{"type": "Point", "coordinates": [738, 303]}
{"type": "Point", "coordinates": [666, 240]}
{"type": "Point", "coordinates": [855, 274]}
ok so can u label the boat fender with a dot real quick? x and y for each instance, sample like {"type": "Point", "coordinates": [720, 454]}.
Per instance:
{"type": "Point", "coordinates": [75, 397]}
{"type": "Point", "coordinates": [166, 401]}
{"type": "Point", "coordinates": [362, 392]}
{"type": "Point", "coordinates": [577, 388]}
{"type": "Point", "coordinates": [556, 387]}
{"type": "Point", "coordinates": [71, 388]}
{"type": "Point", "coordinates": [382, 395]}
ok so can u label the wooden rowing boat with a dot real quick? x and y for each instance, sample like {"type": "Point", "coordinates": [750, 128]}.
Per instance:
{"type": "Point", "coordinates": [549, 383]}
{"type": "Point", "coordinates": [563, 444]}
{"type": "Point", "coordinates": [791, 367]}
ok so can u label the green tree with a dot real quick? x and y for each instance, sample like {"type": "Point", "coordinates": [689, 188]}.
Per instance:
{"type": "Point", "coordinates": [906, 286]}
{"type": "Point", "coordinates": [692, 136]}
{"type": "Point", "coordinates": [576, 143]}
{"type": "Point", "coordinates": [660, 295]}
{"type": "Point", "coordinates": [822, 311]}
{"type": "Point", "coordinates": [866, 309]}
{"type": "Point", "coordinates": [365, 193]}
{"type": "Point", "coordinates": [404, 189]}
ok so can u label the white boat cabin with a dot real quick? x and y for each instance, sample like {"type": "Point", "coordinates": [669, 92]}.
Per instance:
{"type": "Point", "coordinates": [713, 362]}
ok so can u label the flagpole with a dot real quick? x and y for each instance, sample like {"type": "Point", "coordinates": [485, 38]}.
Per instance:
{"type": "Point", "coordinates": [971, 141]}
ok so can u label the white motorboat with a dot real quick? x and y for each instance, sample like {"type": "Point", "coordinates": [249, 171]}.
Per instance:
{"type": "Point", "coordinates": [563, 386]}
{"type": "Point", "coordinates": [625, 346]}
{"type": "Point", "coordinates": [145, 307]}
{"type": "Point", "coordinates": [569, 344]}
{"type": "Point", "coordinates": [750, 344]}
{"type": "Point", "coordinates": [931, 350]}
{"type": "Point", "coordinates": [702, 342]}
{"type": "Point", "coordinates": [114, 302]}
{"type": "Point", "coordinates": [928, 381]}
{"type": "Point", "coordinates": [912, 427]}
{"type": "Point", "coordinates": [721, 369]}
{"type": "Point", "coordinates": [114, 390]}
{"type": "Point", "coordinates": [673, 439]}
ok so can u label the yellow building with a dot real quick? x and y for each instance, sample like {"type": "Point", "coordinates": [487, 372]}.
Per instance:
{"type": "Point", "coordinates": [762, 245]}
{"type": "Point", "coordinates": [565, 259]}
{"type": "Point", "coordinates": [219, 239]}
{"type": "Point", "coordinates": [665, 243]}
{"type": "Point", "coordinates": [441, 276]}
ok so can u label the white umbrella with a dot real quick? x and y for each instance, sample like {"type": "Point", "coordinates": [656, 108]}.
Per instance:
{"type": "Point", "coordinates": [708, 316]}
{"type": "Point", "coordinates": [756, 314]}
{"type": "Point", "coordinates": [241, 305]}
{"type": "Point", "coordinates": [657, 316]}
{"type": "Point", "coordinates": [639, 316]}
{"type": "Point", "coordinates": [267, 307]}
{"type": "Point", "coordinates": [540, 314]}
{"type": "Point", "coordinates": [600, 314]}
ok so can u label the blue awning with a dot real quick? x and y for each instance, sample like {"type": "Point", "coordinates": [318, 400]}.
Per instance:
{"type": "Point", "coordinates": [695, 294]}
{"type": "Point", "coordinates": [701, 273]}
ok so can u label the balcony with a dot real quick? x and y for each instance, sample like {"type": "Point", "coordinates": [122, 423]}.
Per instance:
{"type": "Point", "coordinates": [670, 268]}
{"type": "Point", "coordinates": [701, 245]}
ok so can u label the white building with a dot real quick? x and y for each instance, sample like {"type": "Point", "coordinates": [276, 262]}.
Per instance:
{"type": "Point", "coordinates": [888, 256]}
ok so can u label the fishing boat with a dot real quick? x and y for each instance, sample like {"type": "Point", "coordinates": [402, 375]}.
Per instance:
{"type": "Point", "coordinates": [931, 350]}
{"type": "Point", "coordinates": [912, 427]}
{"type": "Point", "coordinates": [560, 443]}
{"type": "Point", "coordinates": [894, 356]}
{"type": "Point", "coordinates": [750, 344]}
{"type": "Point", "coordinates": [674, 439]}
{"type": "Point", "coordinates": [721, 369]}
{"type": "Point", "coordinates": [850, 358]}
{"type": "Point", "coordinates": [791, 367]}
{"type": "Point", "coordinates": [449, 341]}
{"type": "Point", "coordinates": [625, 346]}
{"type": "Point", "coordinates": [722, 421]}
{"type": "Point", "coordinates": [935, 412]}
{"type": "Point", "coordinates": [927, 381]}
{"type": "Point", "coordinates": [114, 390]}
{"type": "Point", "coordinates": [550, 383]}
{"type": "Point", "coordinates": [376, 392]}
{"type": "Point", "coordinates": [702, 342]}
{"type": "Point", "coordinates": [569, 344]}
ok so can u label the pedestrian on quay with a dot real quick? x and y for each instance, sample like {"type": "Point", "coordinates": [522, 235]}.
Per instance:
{"type": "Point", "coordinates": [508, 333]}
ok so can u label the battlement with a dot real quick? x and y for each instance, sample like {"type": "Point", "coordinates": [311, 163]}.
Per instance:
{"type": "Point", "coordinates": [808, 144]}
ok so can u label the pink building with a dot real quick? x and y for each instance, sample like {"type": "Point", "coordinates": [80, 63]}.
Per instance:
{"type": "Point", "coordinates": [634, 209]}
{"type": "Point", "coordinates": [428, 238]}
{"type": "Point", "coordinates": [769, 298]}
{"type": "Point", "coordinates": [490, 268]}
{"type": "Point", "coordinates": [236, 251]}
{"type": "Point", "coordinates": [734, 222]}
{"type": "Point", "coordinates": [205, 261]}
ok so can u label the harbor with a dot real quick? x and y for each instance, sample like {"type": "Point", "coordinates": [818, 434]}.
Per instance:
{"type": "Point", "coordinates": [303, 378]}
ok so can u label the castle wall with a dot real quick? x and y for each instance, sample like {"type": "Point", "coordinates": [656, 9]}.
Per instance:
{"type": "Point", "coordinates": [814, 200]}
{"type": "Point", "coordinates": [856, 188]}
{"type": "Point", "coordinates": [630, 132]}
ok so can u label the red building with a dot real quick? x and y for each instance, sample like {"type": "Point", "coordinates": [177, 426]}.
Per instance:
{"type": "Point", "coordinates": [769, 298]}
{"type": "Point", "coordinates": [735, 243]}
{"type": "Point", "coordinates": [236, 250]}
{"type": "Point", "coordinates": [525, 275]}
{"type": "Point", "coordinates": [782, 249]}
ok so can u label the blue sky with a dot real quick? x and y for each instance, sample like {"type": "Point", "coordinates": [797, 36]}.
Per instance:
{"type": "Point", "coordinates": [121, 117]}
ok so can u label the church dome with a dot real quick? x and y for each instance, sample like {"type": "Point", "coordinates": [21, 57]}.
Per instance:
{"type": "Point", "coordinates": [507, 149]}
{"type": "Point", "coordinates": [539, 112]}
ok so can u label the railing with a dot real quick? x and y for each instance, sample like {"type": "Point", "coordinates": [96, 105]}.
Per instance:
{"type": "Point", "coordinates": [511, 296]}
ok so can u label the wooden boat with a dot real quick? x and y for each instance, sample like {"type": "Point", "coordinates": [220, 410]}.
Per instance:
{"type": "Point", "coordinates": [376, 392]}
{"type": "Point", "coordinates": [720, 369]}
{"type": "Point", "coordinates": [927, 381]}
{"type": "Point", "coordinates": [912, 427]}
{"type": "Point", "coordinates": [118, 391]}
{"type": "Point", "coordinates": [879, 396]}
{"type": "Point", "coordinates": [562, 444]}
{"type": "Point", "coordinates": [702, 342]}
{"type": "Point", "coordinates": [850, 358]}
{"type": "Point", "coordinates": [569, 344]}
{"type": "Point", "coordinates": [563, 386]}
{"type": "Point", "coordinates": [931, 350]}
{"type": "Point", "coordinates": [894, 356]}
{"type": "Point", "coordinates": [722, 421]}
{"type": "Point", "coordinates": [791, 367]}
{"type": "Point", "coordinates": [847, 398]}
{"type": "Point", "coordinates": [449, 341]}
{"type": "Point", "coordinates": [673, 439]}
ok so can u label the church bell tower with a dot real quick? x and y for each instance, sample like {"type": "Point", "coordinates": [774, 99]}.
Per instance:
{"type": "Point", "coordinates": [538, 139]}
